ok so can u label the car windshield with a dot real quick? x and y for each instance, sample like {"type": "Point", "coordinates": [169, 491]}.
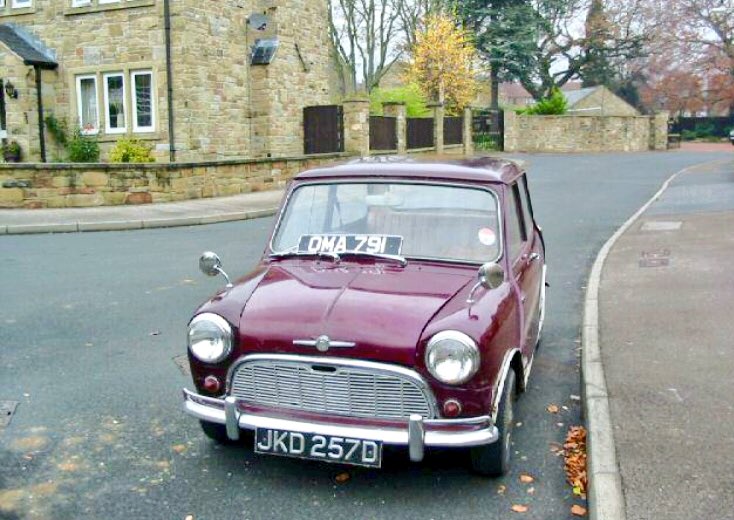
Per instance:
{"type": "Point", "coordinates": [409, 219]}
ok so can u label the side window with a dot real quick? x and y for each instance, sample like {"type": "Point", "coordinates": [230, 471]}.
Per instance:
{"type": "Point", "coordinates": [516, 234]}
{"type": "Point", "coordinates": [527, 207]}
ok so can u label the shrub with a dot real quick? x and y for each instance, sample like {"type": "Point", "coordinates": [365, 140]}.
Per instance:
{"type": "Point", "coordinates": [704, 130]}
{"type": "Point", "coordinates": [411, 95]}
{"type": "Point", "coordinates": [688, 135]}
{"type": "Point", "coordinates": [131, 150]}
{"type": "Point", "coordinates": [83, 148]}
{"type": "Point", "coordinates": [555, 104]}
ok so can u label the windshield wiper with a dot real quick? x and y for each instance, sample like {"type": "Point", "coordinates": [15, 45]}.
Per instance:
{"type": "Point", "coordinates": [384, 256]}
{"type": "Point", "coordinates": [325, 254]}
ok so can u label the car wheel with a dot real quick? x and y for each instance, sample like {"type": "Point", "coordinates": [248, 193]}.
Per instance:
{"type": "Point", "coordinates": [216, 432]}
{"type": "Point", "coordinates": [493, 460]}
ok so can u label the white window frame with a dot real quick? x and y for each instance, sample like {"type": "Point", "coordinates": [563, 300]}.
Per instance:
{"type": "Point", "coordinates": [2, 4]}
{"type": "Point", "coordinates": [136, 128]}
{"type": "Point", "coordinates": [108, 129]}
{"type": "Point", "coordinates": [108, 2]}
{"type": "Point", "coordinates": [81, 3]}
{"type": "Point", "coordinates": [22, 4]}
{"type": "Point", "coordinates": [79, 80]}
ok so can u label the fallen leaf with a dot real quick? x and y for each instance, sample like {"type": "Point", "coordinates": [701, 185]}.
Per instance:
{"type": "Point", "coordinates": [501, 489]}
{"type": "Point", "coordinates": [577, 510]}
{"type": "Point", "coordinates": [526, 479]}
{"type": "Point", "coordinates": [189, 517]}
{"type": "Point", "coordinates": [575, 397]}
{"type": "Point", "coordinates": [531, 490]}
{"type": "Point", "coordinates": [552, 408]}
{"type": "Point", "coordinates": [341, 478]}
{"type": "Point", "coordinates": [179, 448]}
{"type": "Point", "coordinates": [574, 451]}
{"type": "Point", "coordinates": [517, 508]}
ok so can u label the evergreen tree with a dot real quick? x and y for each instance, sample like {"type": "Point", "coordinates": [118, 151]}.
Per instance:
{"type": "Point", "coordinates": [597, 69]}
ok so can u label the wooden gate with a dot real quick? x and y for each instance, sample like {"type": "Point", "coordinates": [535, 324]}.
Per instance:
{"type": "Point", "coordinates": [420, 132]}
{"type": "Point", "coordinates": [453, 130]}
{"type": "Point", "coordinates": [383, 133]}
{"type": "Point", "coordinates": [323, 129]}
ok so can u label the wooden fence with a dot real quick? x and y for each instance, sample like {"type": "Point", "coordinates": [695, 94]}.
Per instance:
{"type": "Point", "coordinates": [453, 130]}
{"type": "Point", "coordinates": [420, 133]}
{"type": "Point", "coordinates": [383, 133]}
{"type": "Point", "coordinates": [323, 129]}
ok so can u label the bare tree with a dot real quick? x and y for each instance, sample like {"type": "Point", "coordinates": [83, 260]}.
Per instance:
{"type": "Point", "coordinates": [366, 37]}
{"type": "Point", "coordinates": [706, 27]}
{"type": "Point", "coordinates": [412, 14]}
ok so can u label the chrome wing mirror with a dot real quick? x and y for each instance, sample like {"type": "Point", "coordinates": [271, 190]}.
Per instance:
{"type": "Point", "coordinates": [211, 265]}
{"type": "Point", "coordinates": [490, 276]}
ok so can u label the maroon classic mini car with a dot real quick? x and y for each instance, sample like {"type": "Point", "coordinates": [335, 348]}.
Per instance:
{"type": "Point", "coordinates": [397, 302]}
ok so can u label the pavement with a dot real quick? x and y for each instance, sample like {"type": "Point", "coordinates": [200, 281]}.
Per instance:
{"type": "Point", "coordinates": [665, 301]}
{"type": "Point", "coordinates": [115, 218]}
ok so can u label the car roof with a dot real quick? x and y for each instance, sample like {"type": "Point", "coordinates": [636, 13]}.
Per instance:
{"type": "Point", "coordinates": [477, 169]}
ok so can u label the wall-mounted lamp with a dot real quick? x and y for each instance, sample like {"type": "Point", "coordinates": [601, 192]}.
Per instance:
{"type": "Point", "coordinates": [10, 90]}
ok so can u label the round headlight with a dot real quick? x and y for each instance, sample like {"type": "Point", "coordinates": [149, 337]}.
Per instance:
{"type": "Point", "coordinates": [210, 338]}
{"type": "Point", "coordinates": [452, 357]}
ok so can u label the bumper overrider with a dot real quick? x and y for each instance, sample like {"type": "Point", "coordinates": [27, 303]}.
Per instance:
{"type": "Point", "coordinates": [416, 433]}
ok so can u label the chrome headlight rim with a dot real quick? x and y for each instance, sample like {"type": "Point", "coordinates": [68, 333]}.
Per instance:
{"type": "Point", "coordinates": [225, 336]}
{"type": "Point", "coordinates": [471, 352]}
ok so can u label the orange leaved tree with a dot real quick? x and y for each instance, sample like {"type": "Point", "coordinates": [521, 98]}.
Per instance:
{"type": "Point", "coordinates": [442, 62]}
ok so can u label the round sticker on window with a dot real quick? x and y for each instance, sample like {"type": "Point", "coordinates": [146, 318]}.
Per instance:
{"type": "Point", "coordinates": [487, 236]}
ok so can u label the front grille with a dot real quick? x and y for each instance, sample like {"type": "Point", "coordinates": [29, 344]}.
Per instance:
{"type": "Point", "coordinates": [331, 389]}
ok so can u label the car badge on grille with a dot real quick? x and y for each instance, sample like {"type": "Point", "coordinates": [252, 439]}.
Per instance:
{"type": "Point", "coordinates": [323, 343]}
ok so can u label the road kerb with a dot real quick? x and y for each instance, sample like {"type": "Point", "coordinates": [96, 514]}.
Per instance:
{"type": "Point", "coordinates": [121, 225]}
{"type": "Point", "coordinates": [112, 225]}
{"type": "Point", "coordinates": [28, 229]}
{"type": "Point", "coordinates": [605, 494]}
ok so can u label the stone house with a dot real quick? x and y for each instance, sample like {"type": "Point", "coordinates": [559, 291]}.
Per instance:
{"type": "Point", "coordinates": [598, 101]}
{"type": "Point", "coordinates": [199, 81]}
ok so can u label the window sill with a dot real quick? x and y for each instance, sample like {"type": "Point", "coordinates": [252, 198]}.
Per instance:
{"type": "Point", "coordinates": [123, 4]}
{"type": "Point", "coordinates": [7, 12]}
{"type": "Point", "coordinates": [111, 138]}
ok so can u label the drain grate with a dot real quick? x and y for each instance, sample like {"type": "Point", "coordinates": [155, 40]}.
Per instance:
{"type": "Point", "coordinates": [655, 258]}
{"type": "Point", "coordinates": [7, 411]}
{"type": "Point", "coordinates": [661, 225]}
{"type": "Point", "coordinates": [182, 362]}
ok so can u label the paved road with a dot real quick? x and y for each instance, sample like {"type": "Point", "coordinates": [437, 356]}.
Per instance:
{"type": "Point", "coordinates": [90, 324]}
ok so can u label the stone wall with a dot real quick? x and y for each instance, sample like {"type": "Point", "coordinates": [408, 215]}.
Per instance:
{"type": "Point", "coordinates": [566, 134]}
{"type": "Point", "coordinates": [81, 185]}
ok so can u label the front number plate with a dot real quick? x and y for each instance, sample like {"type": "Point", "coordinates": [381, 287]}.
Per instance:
{"type": "Point", "coordinates": [318, 447]}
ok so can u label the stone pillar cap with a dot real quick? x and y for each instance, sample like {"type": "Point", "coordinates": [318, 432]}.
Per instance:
{"type": "Point", "coordinates": [356, 100]}
{"type": "Point", "coordinates": [403, 103]}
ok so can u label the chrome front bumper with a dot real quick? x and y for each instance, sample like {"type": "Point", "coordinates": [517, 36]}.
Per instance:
{"type": "Point", "coordinates": [416, 434]}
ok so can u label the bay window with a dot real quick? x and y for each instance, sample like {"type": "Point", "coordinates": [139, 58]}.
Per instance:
{"type": "Point", "coordinates": [124, 96]}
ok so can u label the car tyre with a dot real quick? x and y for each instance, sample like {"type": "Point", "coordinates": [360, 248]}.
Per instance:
{"type": "Point", "coordinates": [216, 432]}
{"type": "Point", "coordinates": [493, 460]}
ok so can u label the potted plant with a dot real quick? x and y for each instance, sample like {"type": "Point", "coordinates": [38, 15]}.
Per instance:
{"type": "Point", "coordinates": [11, 151]}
